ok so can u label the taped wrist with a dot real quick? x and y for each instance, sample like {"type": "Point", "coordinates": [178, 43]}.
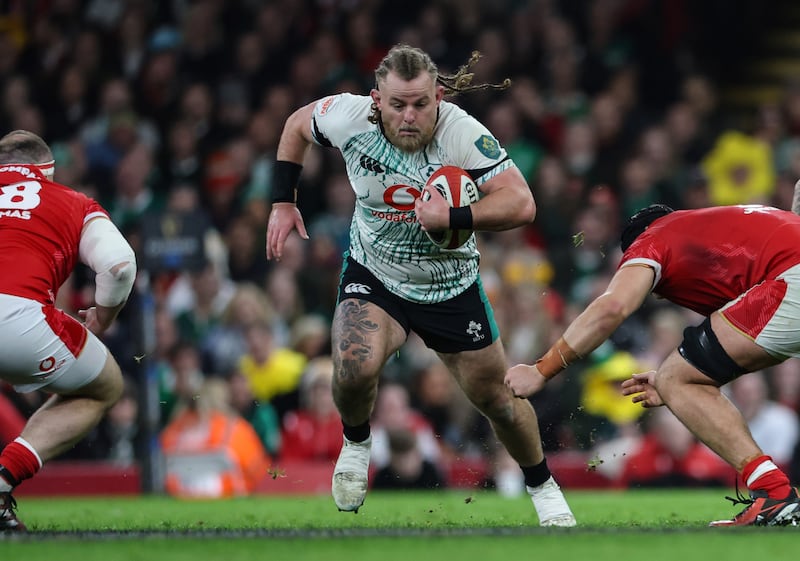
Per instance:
{"type": "Point", "coordinates": [285, 177]}
{"type": "Point", "coordinates": [557, 359]}
{"type": "Point", "coordinates": [461, 218]}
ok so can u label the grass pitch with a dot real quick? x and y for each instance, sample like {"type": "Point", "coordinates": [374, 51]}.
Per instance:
{"type": "Point", "coordinates": [459, 525]}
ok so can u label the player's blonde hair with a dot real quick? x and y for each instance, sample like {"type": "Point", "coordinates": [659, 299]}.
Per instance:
{"type": "Point", "coordinates": [409, 62]}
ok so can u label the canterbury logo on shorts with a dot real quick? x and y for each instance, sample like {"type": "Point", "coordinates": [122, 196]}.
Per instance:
{"type": "Point", "coordinates": [357, 288]}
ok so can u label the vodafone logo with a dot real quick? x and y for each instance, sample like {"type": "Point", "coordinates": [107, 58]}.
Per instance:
{"type": "Point", "coordinates": [47, 364]}
{"type": "Point", "coordinates": [401, 197]}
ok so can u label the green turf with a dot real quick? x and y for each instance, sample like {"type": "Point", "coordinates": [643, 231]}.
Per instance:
{"type": "Point", "coordinates": [651, 525]}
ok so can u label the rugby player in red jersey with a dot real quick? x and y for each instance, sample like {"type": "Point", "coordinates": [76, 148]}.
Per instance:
{"type": "Point", "coordinates": [740, 267]}
{"type": "Point", "coordinates": [45, 229]}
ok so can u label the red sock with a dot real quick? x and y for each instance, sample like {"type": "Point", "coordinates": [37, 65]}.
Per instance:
{"type": "Point", "coordinates": [20, 462]}
{"type": "Point", "coordinates": [761, 474]}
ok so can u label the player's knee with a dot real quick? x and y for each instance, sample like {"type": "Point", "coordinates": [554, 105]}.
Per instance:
{"type": "Point", "coordinates": [496, 406]}
{"type": "Point", "coordinates": [351, 373]}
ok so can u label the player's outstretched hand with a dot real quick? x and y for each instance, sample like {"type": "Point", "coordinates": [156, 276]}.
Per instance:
{"type": "Point", "coordinates": [284, 218]}
{"type": "Point", "coordinates": [524, 380]}
{"type": "Point", "coordinates": [641, 387]}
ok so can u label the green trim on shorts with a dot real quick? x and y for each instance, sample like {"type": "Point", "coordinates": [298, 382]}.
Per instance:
{"type": "Point", "coordinates": [489, 310]}
{"type": "Point", "coordinates": [345, 255]}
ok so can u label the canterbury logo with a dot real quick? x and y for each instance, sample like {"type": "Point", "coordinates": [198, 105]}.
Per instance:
{"type": "Point", "coordinates": [357, 288]}
{"type": "Point", "coordinates": [371, 165]}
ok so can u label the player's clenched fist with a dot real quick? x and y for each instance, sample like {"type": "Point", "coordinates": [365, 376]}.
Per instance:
{"type": "Point", "coordinates": [524, 380]}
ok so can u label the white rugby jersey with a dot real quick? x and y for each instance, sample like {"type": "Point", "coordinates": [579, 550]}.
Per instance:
{"type": "Point", "coordinates": [384, 234]}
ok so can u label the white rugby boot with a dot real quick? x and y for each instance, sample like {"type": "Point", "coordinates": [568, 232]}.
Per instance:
{"type": "Point", "coordinates": [550, 505]}
{"type": "Point", "coordinates": [351, 475]}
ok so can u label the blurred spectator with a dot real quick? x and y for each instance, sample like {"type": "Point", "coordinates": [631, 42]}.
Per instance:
{"type": "Point", "coordinates": [739, 170]}
{"type": "Point", "coordinates": [670, 456]}
{"type": "Point", "coordinates": [604, 413]}
{"type": "Point", "coordinates": [272, 370]}
{"type": "Point", "coordinates": [506, 477]}
{"type": "Point", "coordinates": [16, 95]}
{"type": "Point", "coordinates": [109, 140]}
{"type": "Point", "coordinates": [436, 396]}
{"type": "Point", "coordinates": [180, 380]}
{"type": "Point", "coordinates": [407, 467]}
{"type": "Point", "coordinates": [116, 99]}
{"type": "Point", "coordinates": [505, 121]}
{"type": "Point", "coordinates": [118, 438]}
{"type": "Point", "coordinates": [310, 336]}
{"type": "Point", "coordinates": [313, 431]}
{"type": "Point", "coordinates": [393, 412]}
{"type": "Point", "coordinates": [205, 300]}
{"type": "Point", "coordinates": [210, 451]}
{"type": "Point", "coordinates": [330, 231]}
{"type": "Point", "coordinates": [133, 196]}
{"type": "Point", "coordinates": [261, 416]}
{"type": "Point", "coordinates": [224, 345]}
{"type": "Point", "coordinates": [181, 161]}
{"type": "Point", "coordinates": [786, 382]}
{"type": "Point", "coordinates": [775, 427]}
{"type": "Point", "coordinates": [664, 333]}
{"type": "Point", "coordinates": [637, 186]}
{"type": "Point", "coordinates": [224, 180]}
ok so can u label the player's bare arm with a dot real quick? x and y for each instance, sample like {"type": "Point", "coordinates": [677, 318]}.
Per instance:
{"type": "Point", "coordinates": [292, 147]}
{"type": "Point", "coordinates": [507, 203]}
{"type": "Point", "coordinates": [625, 294]}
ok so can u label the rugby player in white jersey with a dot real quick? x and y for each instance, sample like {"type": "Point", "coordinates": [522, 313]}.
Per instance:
{"type": "Point", "coordinates": [394, 279]}
{"type": "Point", "coordinates": [45, 229]}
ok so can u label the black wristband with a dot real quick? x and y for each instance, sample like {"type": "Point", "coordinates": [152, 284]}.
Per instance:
{"type": "Point", "coordinates": [461, 218]}
{"type": "Point", "coordinates": [285, 176]}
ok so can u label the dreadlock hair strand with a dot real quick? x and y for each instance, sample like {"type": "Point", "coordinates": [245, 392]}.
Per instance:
{"type": "Point", "coordinates": [409, 62]}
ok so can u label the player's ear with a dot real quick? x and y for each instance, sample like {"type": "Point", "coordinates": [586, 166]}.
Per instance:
{"type": "Point", "coordinates": [439, 93]}
{"type": "Point", "coordinates": [376, 97]}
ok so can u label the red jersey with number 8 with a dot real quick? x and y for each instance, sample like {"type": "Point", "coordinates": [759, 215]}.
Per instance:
{"type": "Point", "coordinates": [40, 231]}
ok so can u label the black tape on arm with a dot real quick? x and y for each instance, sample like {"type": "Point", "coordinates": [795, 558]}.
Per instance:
{"type": "Point", "coordinates": [285, 177]}
{"type": "Point", "coordinates": [461, 218]}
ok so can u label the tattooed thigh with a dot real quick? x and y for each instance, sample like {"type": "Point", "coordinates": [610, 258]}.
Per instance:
{"type": "Point", "coordinates": [363, 336]}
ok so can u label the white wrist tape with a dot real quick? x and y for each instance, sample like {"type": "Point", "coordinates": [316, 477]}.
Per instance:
{"type": "Point", "coordinates": [105, 250]}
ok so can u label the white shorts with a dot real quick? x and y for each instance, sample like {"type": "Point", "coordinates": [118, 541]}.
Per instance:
{"type": "Point", "coordinates": [769, 313]}
{"type": "Point", "coordinates": [42, 347]}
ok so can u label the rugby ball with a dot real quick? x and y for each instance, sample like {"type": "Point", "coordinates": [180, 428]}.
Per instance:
{"type": "Point", "coordinates": [458, 189]}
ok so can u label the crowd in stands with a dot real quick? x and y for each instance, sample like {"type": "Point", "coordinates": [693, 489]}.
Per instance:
{"type": "Point", "coordinates": [177, 106]}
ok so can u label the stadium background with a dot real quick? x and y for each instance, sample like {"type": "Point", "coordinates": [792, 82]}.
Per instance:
{"type": "Point", "coordinates": [169, 114]}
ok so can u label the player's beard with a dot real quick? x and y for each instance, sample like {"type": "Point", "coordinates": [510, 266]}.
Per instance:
{"type": "Point", "coordinates": [413, 143]}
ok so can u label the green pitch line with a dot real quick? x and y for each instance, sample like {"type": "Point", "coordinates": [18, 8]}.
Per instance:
{"type": "Point", "coordinates": [652, 525]}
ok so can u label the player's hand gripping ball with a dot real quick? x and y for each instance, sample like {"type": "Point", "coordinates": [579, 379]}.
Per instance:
{"type": "Point", "coordinates": [458, 189]}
